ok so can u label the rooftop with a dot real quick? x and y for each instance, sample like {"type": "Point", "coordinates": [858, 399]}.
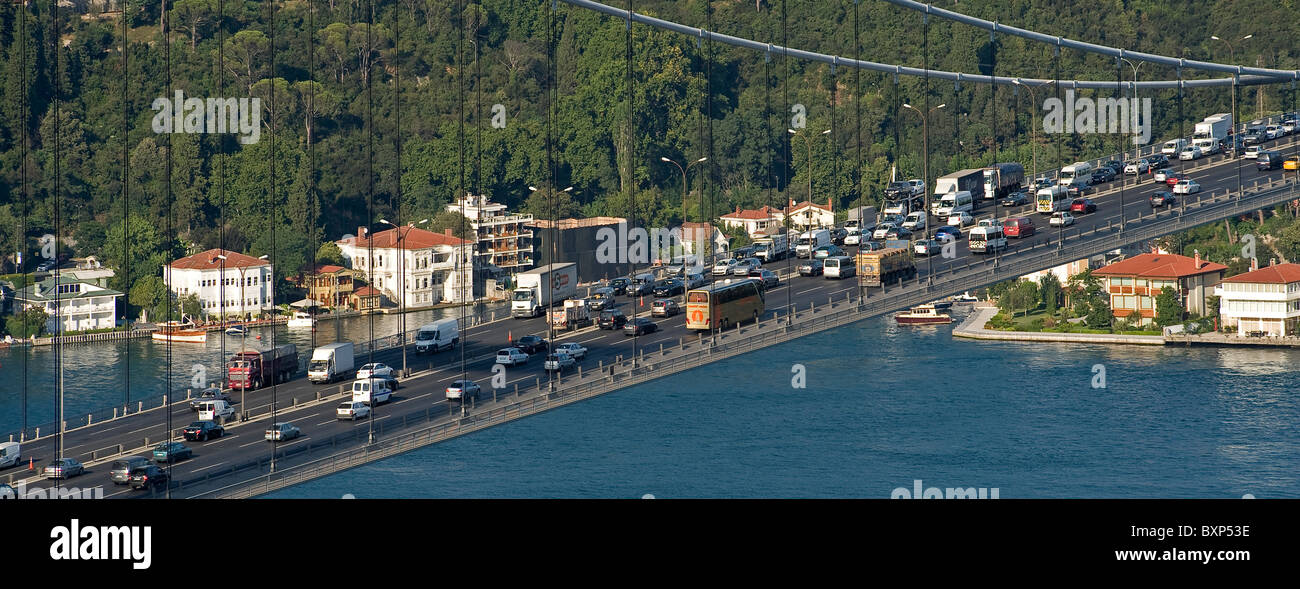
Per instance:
{"type": "Point", "coordinates": [47, 291]}
{"type": "Point", "coordinates": [1275, 274]}
{"type": "Point", "coordinates": [412, 238]}
{"type": "Point", "coordinates": [1160, 266]}
{"type": "Point", "coordinates": [576, 223]}
{"type": "Point", "coordinates": [208, 260]}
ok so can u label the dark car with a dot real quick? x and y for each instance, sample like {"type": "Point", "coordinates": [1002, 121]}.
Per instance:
{"type": "Point", "coordinates": [1015, 199]}
{"type": "Point", "coordinates": [870, 246]}
{"type": "Point", "coordinates": [811, 268]}
{"type": "Point", "coordinates": [1158, 160]}
{"type": "Point", "coordinates": [1254, 136]}
{"type": "Point", "coordinates": [620, 285]}
{"type": "Point", "coordinates": [765, 278]}
{"type": "Point", "coordinates": [1162, 199]}
{"type": "Point", "coordinates": [948, 232]}
{"type": "Point", "coordinates": [202, 431]}
{"type": "Point", "coordinates": [1083, 205]}
{"type": "Point", "coordinates": [148, 477]}
{"type": "Point", "coordinates": [670, 287]}
{"type": "Point", "coordinates": [600, 300]}
{"type": "Point", "coordinates": [1268, 160]}
{"type": "Point", "coordinates": [209, 394]}
{"type": "Point", "coordinates": [665, 308]}
{"type": "Point", "coordinates": [171, 452]}
{"type": "Point", "coordinates": [1076, 191]}
{"type": "Point", "coordinates": [637, 289]}
{"type": "Point", "coordinates": [898, 233]}
{"type": "Point", "coordinates": [121, 471]}
{"type": "Point", "coordinates": [611, 319]}
{"type": "Point", "coordinates": [1102, 174]}
{"type": "Point", "coordinates": [640, 326]}
{"type": "Point", "coordinates": [838, 234]}
{"type": "Point", "coordinates": [743, 252]}
{"type": "Point", "coordinates": [1115, 166]}
{"type": "Point", "coordinates": [531, 344]}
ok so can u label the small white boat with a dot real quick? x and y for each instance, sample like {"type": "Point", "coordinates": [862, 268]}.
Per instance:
{"type": "Point", "coordinates": [302, 319]}
{"type": "Point", "coordinates": [237, 330]}
{"type": "Point", "coordinates": [923, 315]}
{"type": "Point", "coordinates": [177, 331]}
{"type": "Point", "coordinates": [966, 297]}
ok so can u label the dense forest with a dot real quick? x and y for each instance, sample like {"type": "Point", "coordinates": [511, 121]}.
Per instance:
{"type": "Point", "coordinates": [346, 87]}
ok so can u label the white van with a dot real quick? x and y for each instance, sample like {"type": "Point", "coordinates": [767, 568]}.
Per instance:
{"type": "Point", "coordinates": [442, 334]}
{"type": "Point", "coordinates": [811, 240]}
{"type": "Point", "coordinates": [218, 411]}
{"type": "Point", "coordinates": [915, 221]}
{"type": "Point", "coordinates": [839, 267]}
{"type": "Point", "coordinates": [362, 389]}
{"type": "Point", "coordinates": [10, 454]}
{"type": "Point", "coordinates": [1052, 199]}
{"type": "Point", "coordinates": [1173, 146]}
{"type": "Point", "coordinates": [1077, 174]}
{"type": "Point", "coordinates": [986, 240]}
{"type": "Point", "coordinates": [955, 202]}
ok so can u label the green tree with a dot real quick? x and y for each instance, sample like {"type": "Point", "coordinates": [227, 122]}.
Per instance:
{"type": "Point", "coordinates": [454, 221]}
{"type": "Point", "coordinates": [1168, 309]}
{"type": "Point", "coordinates": [149, 293]}
{"type": "Point", "coordinates": [1099, 314]}
{"type": "Point", "coordinates": [1049, 292]}
{"type": "Point", "coordinates": [141, 243]}
{"type": "Point", "coordinates": [548, 203]}
{"type": "Point", "coordinates": [27, 323]}
{"type": "Point", "coordinates": [329, 253]}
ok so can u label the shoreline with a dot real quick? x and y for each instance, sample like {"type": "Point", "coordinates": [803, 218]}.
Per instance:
{"type": "Point", "coordinates": [973, 328]}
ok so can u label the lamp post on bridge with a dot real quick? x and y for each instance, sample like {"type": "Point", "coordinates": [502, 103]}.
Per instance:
{"type": "Point", "coordinates": [243, 390]}
{"type": "Point", "coordinates": [685, 187]}
{"type": "Point", "coordinates": [550, 288]}
{"type": "Point", "coordinates": [925, 179]}
{"type": "Point", "coordinates": [401, 287]}
{"type": "Point", "coordinates": [808, 142]}
{"type": "Point", "coordinates": [1235, 137]}
{"type": "Point", "coordinates": [1033, 129]}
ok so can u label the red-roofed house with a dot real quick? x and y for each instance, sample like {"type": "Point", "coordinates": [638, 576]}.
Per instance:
{"type": "Point", "coordinates": [243, 282]}
{"type": "Point", "coordinates": [1134, 283]}
{"type": "Point", "coordinates": [753, 220]}
{"type": "Point", "coordinates": [331, 285]}
{"type": "Point", "coordinates": [807, 214]}
{"type": "Point", "coordinates": [365, 298]}
{"type": "Point", "coordinates": [436, 267]}
{"type": "Point", "coordinates": [1265, 301]}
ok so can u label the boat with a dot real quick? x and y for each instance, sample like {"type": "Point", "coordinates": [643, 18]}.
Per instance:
{"type": "Point", "coordinates": [941, 305]}
{"type": "Point", "coordinates": [966, 297]}
{"type": "Point", "coordinates": [237, 330]}
{"type": "Point", "coordinates": [178, 331]}
{"type": "Point", "coordinates": [923, 315]}
{"type": "Point", "coordinates": [302, 319]}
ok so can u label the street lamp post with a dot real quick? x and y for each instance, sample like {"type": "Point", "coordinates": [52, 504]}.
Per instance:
{"type": "Point", "coordinates": [1235, 138]}
{"type": "Point", "coordinates": [401, 288]}
{"type": "Point", "coordinates": [242, 414]}
{"type": "Point", "coordinates": [550, 326]}
{"type": "Point", "coordinates": [685, 188]}
{"type": "Point", "coordinates": [807, 139]}
{"type": "Point", "coordinates": [1033, 129]}
{"type": "Point", "coordinates": [925, 177]}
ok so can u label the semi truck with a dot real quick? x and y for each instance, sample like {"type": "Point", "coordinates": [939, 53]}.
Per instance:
{"type": "Point", "coordinates": [972, 180]}
{"type": "Point", "coordinates": [331, 362]}
{"type": "Point", "coordinates": [252, 369]}
{"type": "Point", "coordinates": [541, 287]}
{"type": "Point", "coordinates": [885, 266]}
{"type": "Point", "coordinates": [772, 247]}
{"type": "Point", "coordinates": [1003, 179]}
{"type": "Point", "coordinates": [573, 315]}
{"type": "Point", "coordinates": [1211, 133]}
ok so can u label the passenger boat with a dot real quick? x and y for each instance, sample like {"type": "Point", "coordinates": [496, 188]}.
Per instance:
{"type": "Point", "coordinates": [302, 319]}
{"type": "Point", "coordinates": [923, 315]}
{"type": "Point", "coordinates": [176, 331]}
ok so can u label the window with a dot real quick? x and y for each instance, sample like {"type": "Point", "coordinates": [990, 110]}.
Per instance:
{"type": "Point", "coordinates": [1145, 301]}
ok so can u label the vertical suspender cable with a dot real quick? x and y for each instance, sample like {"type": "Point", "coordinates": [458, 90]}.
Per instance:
{"type": "Point", "coordinates": [167, 390]}
{"type": "Point", "coordinates": [925, 126]}
{"type": "Point", "coordinates": [553, 185]}
{"type": "Point", "coordinates": [787, 143]}
{"type": "Point", "coordinates": [221, 186]}
{"type": "Point", "coordinates": [1119, 140]}
{"type": "Point", "coordinates": [1060, 229]}
{"type": "Point", "coordinates": [313, 203]}
{"type": "Point", "coordinates": [630, 146]}
{"type": "Point", "coordinates": [397, 178]}
{"type": "Point", "coordinates": [126, 209]}
{"type": "Point", "coordinates": [58, 232]}
{"type": "Point", "coordinates": [275, 378]}
{"type": "Point", "coordinates": [857, 108]}
{"type": "Point", "coordinates": [370, 191]}
{"type": "Point", "coordinates": [460, 186]}
{"type": "Point", "coordinates": [26, 198]}
{"type": "Point", "coordinates": [993, 128]}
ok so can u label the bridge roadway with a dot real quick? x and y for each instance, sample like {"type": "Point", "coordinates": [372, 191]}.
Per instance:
{"type": "Point", "coordinates": [244, 442]}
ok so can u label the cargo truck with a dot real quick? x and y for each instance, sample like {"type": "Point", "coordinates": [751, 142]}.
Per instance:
{"type": "Point", "coordinates": [772, 247]}
{"type": "Point", "coordinates": [885, 266]}
{"type": "Point", "coordinates": [542, 287]}
{"type": "Point", "coordinates": [972, 180]}
{"type": "Point", "coordinates": [331, 362]}
{"type": "Point", "coordinates": [1003, 179]}
{"type": "Point", "coordinates": [1211, 133]}
{"type": "Point", "coordinates": [573, 315]}
{"type": "Point", "coordinates": [252, 369]}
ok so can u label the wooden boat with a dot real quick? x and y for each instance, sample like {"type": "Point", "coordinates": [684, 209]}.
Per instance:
{"type": "Point", "coordinates": [176, 331]}
{"type": "Point", "coordinates": [302, 319]}
{"type": "Point", "coordinates": [923, 315]}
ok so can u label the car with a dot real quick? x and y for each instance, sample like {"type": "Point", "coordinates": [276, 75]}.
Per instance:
{"type": "Point", "coordinates": [148, 476]}
{"type": "Point", "coordinates": [620, 285]}
{"type": "Point", "coordinates": [1076, 191]}
{"type": "Point", "coordinates": [171, 452]}
{"type": "Point", "coordinates": [459, 390]}
{"type": "Point", "coordinates": [670, 287]}
{"type": "Point", "coordinates": [724, 267]}
{"type": "Point", "coordinates": [1161, 176]}
{"type": "Point", "coordinates": [1254, 136]}
{"type": "Point", "coordinates": [668, 307]}
{"type": "Point", "coordinates": [558, 362]}
{"type": "Point", "coordinates": [46, 266]}
{"type": "Point", "coordinates": [1137, 167]}
{"type": "Point", "coordinates": [741, 253]}
{"type": "Point", "coordinates": [883, 229]}
{"type": "Point", "coordinates": [641, 288]}
{"type": "Point", "coordinates": [926, 247]}
{"type": "Point", "coordinates": [600, 301]}
{"type": "Point", "coordinates": [575, 350]}
{"type": "Point", "coordinates": [1162, 199]}
{"type": "Point", "coordinates": [1061, 218]}
{"type": "Point", "coordinates": [694, 281]}
{"type": "Point", "coordinates": [1018, 227]}
{"type": "Point", "coordinates": [827, 251]}
{"type": "Point", "coordinates": [1102, 175]}
{"type": "Point", "coordinates": [1273, 131]}
{"type": "Point", "coordinates": [1291, 163]}
{"type": "Point", "coordinates": [640, 326]}
{"type": "Point", "coordinates": [854, 237]}
{"type": "Point", "coordinates": [282, 431]}
{"type": "Point", "coordinates": [961, 219]}
{"type": "Point", "coordinates": [609, 319]}
{"type": "Point", "coordinates": [743, 267]}
{"type": "Point", "coordinates": [766, 278]}
{"type": "Point", "coordinates": [1158, 160]}
{"type": "Point", "coordinates": [1252, 152]}
{"type": "Point", "coordinates": [202, 431]}
{"type": "Point", "coordinates": [532, 344]}
{"type": "Point", "coordinates": [1187, 186]}
{"type": "Point", "coordinates": [1018, 198]}
{"type": "Point", "coordinates": [870, 246]}
{"type": "Point", "coordinates": [1173, 178]}
{"type": "Point", "coordinates": [898, 233]}
{"type": "Point", "coordinates": [1288, 125]}
{"type": "Point", "coordinates": [1189, 153]}
{"type": "Point", "coordinates": [1116, 167]}
{"type": "Point", "coordinates": [947, 233]}
{"type": "Point", "coordinates": [63, 468]}
{"type": "Point", "coordinates": [352, 410]}
{"type": "Point", "coordinates": [511, 356]}
{"type": "Point", "coordinates": [1083, 206]}
{"type": "Point", "coordinates": [374, 370]}
{"type": "Point", "coordinates": [813, 267]}
{"type": "Point", "coordinates": [209, 394]}
{"type": "Point", "coordinates": [121, 471]}
{"type": "Point", "coordinates": [838, 234]}
{"type": "Point", "coordinates": [1042, 182]}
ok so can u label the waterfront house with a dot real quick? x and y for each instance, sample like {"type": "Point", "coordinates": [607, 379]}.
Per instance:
{"type": "Point", "coordinates": [330, 285]}
{"type": "Point", "coordinates": [365, 298]}
{"type": "Point", "coordinates": [505, 239]}
{"type": "Point", "coordinates": [434, 267]}
{"type": "Point", "coordinates": [753, 220]}
{"type": "Point", "coordinates": [225, 281]}
{"type": "Point", "coordinates": [1265, 301]}
{"type": "Point", "coordinates": [809, 215]}
{"type": "Point", "coordinates": [1134, 283]}
{"type": "Point", "coordinates": [78, 305]}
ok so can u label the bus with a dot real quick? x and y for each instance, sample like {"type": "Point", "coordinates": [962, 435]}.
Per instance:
{"type": "Point", "coordinates": [1052, 199]}
{"type": "Point", "coordinates": [724, 304]}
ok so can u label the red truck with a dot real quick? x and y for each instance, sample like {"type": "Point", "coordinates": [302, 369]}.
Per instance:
{"type": "Point", "coordinates": [251, 369]}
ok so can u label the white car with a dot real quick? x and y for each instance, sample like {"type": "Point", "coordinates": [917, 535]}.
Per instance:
{"type": "Point", "coordinates": [460, 390]}
{"type": "Point", "coordinates": [577, 351]}
{"type": "Point", "coordinates": [694, 281]}
{"type": "Point", "coordinates": [853, 238]}
{"type": "Point", "coordinates": [353, 410]}
{"type": "Point", "coordinates": [742, 267]}
{"type": "Point", "coordinates": [1061, 218]}
{"type": "Point", "coordinates": [960, 219]}
{"type": "Point", "coordinates": [1189, 153]}
{"type": "Point", "coordinates": [882, 230]}
{"type": "Point", "coordinates": [282, 431]}
{"type": "Point", "coordinates": [511, 356]}
{"type": "Point", "coordinates": [989, 223]}
{"type": "Point", "coordinates": [558, 361]}
{"type": "Point", "coordinates": [1162, 175]}
{"type": "Point", "coordinates": [1252, 152]}
{"type": "Point", "coordinates": [724, 267]}
{"type": "Point", "coordinates": [1187, 187]}
{"type": "Point", "coordinates": [1288, 126]}
{"type": "Point", "coordinates": [1138, 167]}
{"type": "Point", "coordinates": [1273, 131]}
{"type": "Point", "coordinates": [375, 370]}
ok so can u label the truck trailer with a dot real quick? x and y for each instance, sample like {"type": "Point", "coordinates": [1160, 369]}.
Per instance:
{"type": "Point", "coordinates": [542, 287]}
